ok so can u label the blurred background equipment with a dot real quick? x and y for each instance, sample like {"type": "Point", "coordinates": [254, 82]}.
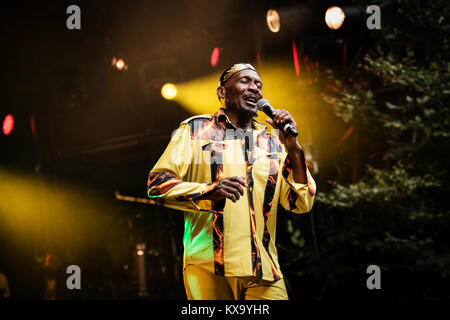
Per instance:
{"type": "Point", "coordinates": [4, 287]}
{"type": "Point", "coordinates": [141, 269]}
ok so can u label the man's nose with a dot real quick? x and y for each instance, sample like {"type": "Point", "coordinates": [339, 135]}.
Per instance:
{"type": "Point", "coordinates": [253, 87]}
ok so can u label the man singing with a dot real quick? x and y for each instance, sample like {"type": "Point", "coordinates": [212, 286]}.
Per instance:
{"type": "Point", "coordinates": [229, 174]}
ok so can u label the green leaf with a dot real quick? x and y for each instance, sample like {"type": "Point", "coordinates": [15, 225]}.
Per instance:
{"type": "Point", "coordinates": [392, 106]}
{"type": "Point", "coordinates": [301, 243]}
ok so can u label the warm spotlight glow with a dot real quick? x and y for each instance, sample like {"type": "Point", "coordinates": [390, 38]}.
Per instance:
{"type": "Point", "coordinates": [282, 88]}
{"type": "Point", "coordinates": [334, 17]}
{"type": "Point", "coordinates": [140, 252]}
{"type": "Point", "coordinates": [8, 124]}
{"type": "Point", "coordinates": [273, 20]}
{"type": "Point", "coordinates": [30, 202]}
{"type": "Point", "coordinates": [169, 91]}
{"type": "Point", "coordinates": [120, 64]}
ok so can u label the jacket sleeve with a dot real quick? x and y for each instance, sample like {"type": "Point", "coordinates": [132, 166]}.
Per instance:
{"type": "Point", "coordinates": [165, 183]}
{"type": "Point", "coordinates": [296, 197]}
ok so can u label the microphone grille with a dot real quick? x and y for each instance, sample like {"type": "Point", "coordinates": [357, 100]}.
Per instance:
{"type": "Point", "coordinates": [261, 103]}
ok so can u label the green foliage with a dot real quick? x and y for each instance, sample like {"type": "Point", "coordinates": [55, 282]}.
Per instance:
{"type": "Point", "coordinates": [396, 215]}
{"type": "Point", "coordinates": [379, 187]}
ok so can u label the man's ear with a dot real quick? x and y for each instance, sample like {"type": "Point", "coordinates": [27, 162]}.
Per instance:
{"type": "Point", "coordinates": [221, 92]}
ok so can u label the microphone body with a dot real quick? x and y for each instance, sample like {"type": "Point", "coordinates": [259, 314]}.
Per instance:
{"type": "Point", "coordinates": [264, 106]}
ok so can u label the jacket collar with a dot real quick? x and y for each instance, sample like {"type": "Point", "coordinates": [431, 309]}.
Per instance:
{"type": "Point", "coordinates": [221, 118]}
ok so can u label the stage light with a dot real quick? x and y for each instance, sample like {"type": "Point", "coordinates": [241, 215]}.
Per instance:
{"type": "Point", "coordinates": [8, 124]}
{"type": "Point", "coordinates": [334, 17]}
{"type": "Point", "coordinates": [296, 19]}
{"type": "Point", "coordinates": [215, 57]}
{"type": "Point", "coordinates": [169, 91]}
{"type": "Point", "coordinates": [140, 252]}
{"type": "Point", "coordinates": [295, 55]}
{"type": "Point", "coordinates": [273, 20]}
{"type": "Point", "coordinates": [119, 64]}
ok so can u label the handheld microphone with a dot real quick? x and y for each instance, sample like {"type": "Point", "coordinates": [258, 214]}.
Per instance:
{"type": "Point", "coordinates": [264, 106]}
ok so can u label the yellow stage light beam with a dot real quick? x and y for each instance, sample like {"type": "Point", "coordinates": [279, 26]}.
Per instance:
{"type": "Point", "coordinates": [62, 218]}
{"type": "Point", "coordinates": [281, 87]}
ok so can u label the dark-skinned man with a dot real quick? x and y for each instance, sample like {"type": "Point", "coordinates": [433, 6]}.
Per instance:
{"type": "Point", "coordinates": [229, 174]}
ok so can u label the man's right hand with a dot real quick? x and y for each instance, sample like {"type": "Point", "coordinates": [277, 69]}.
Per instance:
{"type": "Point", "coordinates": [228, 188]}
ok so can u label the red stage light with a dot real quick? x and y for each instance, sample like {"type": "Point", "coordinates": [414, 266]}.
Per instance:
{"type": "Point", "coordinates": [295, 55]}
{"type": "Point", "coordinates": [33, 125]}
{"type": "Point", "coordinates": [215, 57]}
{"type": "Point", "coordinates": [8, 124]}
{"type": "Point", "coordinates": [47, 260]}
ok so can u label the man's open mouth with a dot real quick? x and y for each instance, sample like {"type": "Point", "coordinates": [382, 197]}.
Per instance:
{"type": "Point", "coordinates": [251, 100]}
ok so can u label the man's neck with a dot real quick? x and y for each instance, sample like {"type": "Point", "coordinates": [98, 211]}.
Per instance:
{"type": "Point", "coordinates": [238, 120]}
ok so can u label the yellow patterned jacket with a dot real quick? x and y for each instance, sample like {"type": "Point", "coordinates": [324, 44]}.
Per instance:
{"type": "Point", "coordinates": [225, 237]}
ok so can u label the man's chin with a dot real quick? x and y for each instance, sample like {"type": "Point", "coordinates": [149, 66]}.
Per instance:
{"type": "Point", "coordinates": [250, 112]}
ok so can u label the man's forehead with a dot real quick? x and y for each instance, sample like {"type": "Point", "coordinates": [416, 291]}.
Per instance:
{"type": "Point", "coordinates": [247, 73]}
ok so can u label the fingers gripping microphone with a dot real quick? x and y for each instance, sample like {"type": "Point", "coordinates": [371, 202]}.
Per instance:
{"type": "Point", "coordinates": [264, 106]}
